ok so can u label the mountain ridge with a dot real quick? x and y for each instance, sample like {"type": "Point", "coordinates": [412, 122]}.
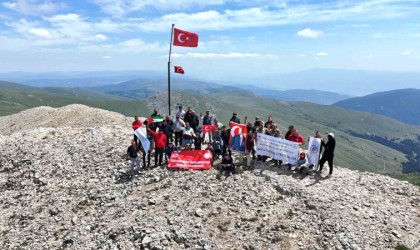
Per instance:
{"type": "Point", "coordinates": [401, 104]}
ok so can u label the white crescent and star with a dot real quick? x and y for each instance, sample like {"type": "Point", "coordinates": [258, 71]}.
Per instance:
{"type": "Point", "coordinates": [180, 38]}
{"type": "Point", "coordinates": [232, 131]}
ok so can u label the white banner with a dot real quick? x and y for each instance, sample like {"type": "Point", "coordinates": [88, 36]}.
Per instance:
{"type": "Point", "coordinates": [277, 148]}
{"type": "Point", "coordinates": [313, 150]}
{"type": "Point", "coordinates": [142, 135]}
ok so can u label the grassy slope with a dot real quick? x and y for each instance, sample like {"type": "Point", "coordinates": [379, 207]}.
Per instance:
{"type": "Point", "coordinates": [402, 104]}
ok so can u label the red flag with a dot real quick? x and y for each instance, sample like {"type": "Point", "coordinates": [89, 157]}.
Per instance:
{"type": "Point", "coordinates": [149, 120]}
{"type": "Point", "coordinates": [185, 38]}
{"type": "Point", "coordinates": [179, 70]}
{"type": "Point", "coordinates": [192, 159]}
{"type": "Point", "coordinates": [209, 128]}
{"type": "Point", "coordinates": [238, 133]}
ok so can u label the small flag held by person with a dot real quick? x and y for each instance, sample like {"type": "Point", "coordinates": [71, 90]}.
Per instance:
{"type": "Point", "coordinates": [154, 118]}
{"type": "Point", "coordinates": [184, 38]}
{"type": "Point", "coordinates": [179, 70]}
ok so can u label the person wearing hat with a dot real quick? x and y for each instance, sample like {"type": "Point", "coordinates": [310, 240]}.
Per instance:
{"type": "Point", "coordinates": [302, 162]}
{"type": "Point", "coordinates": [234, 118]}
{"type": "Point", "coordinates": [328, 155]}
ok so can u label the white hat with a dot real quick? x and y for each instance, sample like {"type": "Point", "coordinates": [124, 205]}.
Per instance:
{"type": "Point", "coordinates": [331, 134]}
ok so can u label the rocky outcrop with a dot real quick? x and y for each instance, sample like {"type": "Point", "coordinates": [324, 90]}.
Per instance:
{"type": "Point", "coordinates": [67, 187]}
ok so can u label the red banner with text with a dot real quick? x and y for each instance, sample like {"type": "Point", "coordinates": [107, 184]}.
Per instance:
{"type": "Point", "coordinates": [191, 159]}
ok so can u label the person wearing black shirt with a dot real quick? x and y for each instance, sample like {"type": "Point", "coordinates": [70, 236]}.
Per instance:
{"type": "Point", "coordinates": [132, 153]}
{"type": "Point", "coordinates": [289, 132]}
{"type": "Point", "coordinates": [328, 155]}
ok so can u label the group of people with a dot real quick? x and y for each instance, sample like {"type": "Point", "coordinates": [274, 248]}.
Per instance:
{"type": "Point", "coordinates": [188, 135]}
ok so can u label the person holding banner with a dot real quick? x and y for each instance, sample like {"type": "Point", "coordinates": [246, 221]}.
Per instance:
{"type": "Point", "coordinates": [277, 134]}
{"type": "Point", "coordinates": [262, 130]}
{"type": "Point", "coordinates": [169, 150]}
{"type": "Point", "coordinates": [328, 155]}
{"type": "Point", "coordinates": [207, 120]}
{"type": "Point", "coordinates": [135, 125]}
{"type": "Point", "coordinates": [296, 137]}
{"type": "Point", "coordinates": [234, 118]}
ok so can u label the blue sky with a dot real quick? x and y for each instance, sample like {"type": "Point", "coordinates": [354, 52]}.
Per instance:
{"type": "Point", "coordinates": [238, 39]}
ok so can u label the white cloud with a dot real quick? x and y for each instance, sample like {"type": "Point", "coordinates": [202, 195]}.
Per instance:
{"type": "Point", "coordinates": [302, 55]}
{"type": "Point", "coordinates": [322, 54]}
{"type": "Point", "coordinates": [121, 7]}
{"type": "Point", "coordinates": [310, 33]}
{"type": "Point", "coordinates": [100, 37]}
{"type": "Point", "coordinates": [34, 7]}
{"type": "Point", "coordinates": [106, 57]}
{"type": "Point", "coordinates": [406, 53]}
{"type": "Point", "coordinates": [40, 32]}
{"type": "Point", "coordinates": [293, 14]}
{"type": "Point", "coordinates": [223, 55]}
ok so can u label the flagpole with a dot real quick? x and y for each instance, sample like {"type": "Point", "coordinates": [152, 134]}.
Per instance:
{"type": "Point", "coordinates": [169, 71]}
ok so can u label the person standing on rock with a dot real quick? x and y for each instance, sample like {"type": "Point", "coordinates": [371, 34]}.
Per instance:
{"type": "Point", "coordinates": [170, 125]}
{"type": "Point", "coordinates": [135, 125]}
{"type": "Point", "coordinates": [328, 155]}
{"type": "Point", "coordinates": [180, 113]}
{"type": "Point", "coordinates": [160, 144]}
{"type": "Point", "coordinates": [179, 126]}
{"type": "Point", "coordinates": [133, 157]}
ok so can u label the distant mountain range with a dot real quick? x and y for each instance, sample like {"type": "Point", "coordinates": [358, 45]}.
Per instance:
{"type": "Point", "coordinates": [349, 82]}
{"type": "Point", "coordinates": [76, 79]}
{"type": "Point", "coordinates": [346, 82]}
{"type": "Point", "coordinates": [306, 95]}
{"type": "Point", "coordinates": [143, 88]}
{"type": "Point", "coordinates": [402, 104]}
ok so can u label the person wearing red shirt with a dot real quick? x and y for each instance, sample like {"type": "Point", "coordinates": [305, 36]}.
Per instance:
{"type": "Point", "coordinates": [160, 144]}
{"type": "Point", "coordinates": [135, 125]}
{"type": "Point", "coordinates": [296, 137]}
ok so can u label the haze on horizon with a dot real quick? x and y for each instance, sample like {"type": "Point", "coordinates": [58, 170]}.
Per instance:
{"type": "Point", "coordinates": [238, 40]}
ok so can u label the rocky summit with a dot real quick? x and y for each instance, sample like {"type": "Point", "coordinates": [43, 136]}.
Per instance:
{"type": "Point", "coordinates": [64, 185]}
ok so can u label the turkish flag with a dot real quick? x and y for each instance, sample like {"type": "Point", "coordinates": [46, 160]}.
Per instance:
{"type": "Point", "coordinates": [185, 38]}
{"type": "Point", "coordinates": [209, 128]}
{"type": "Point", "coordinates": [238, 133]}
{"type": "Point", "coordinates": [179, 70]}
